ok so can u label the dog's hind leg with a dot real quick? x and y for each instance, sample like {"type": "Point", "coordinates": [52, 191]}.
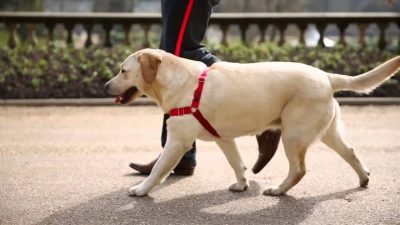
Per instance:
{"type": "Point", "coordinates": [302, 123]}
{"type": "Point", "coordinates": [295, 153]}
{"type": "Point", "coordinates": [333, 139]}
{"type": "Point", "coordinates": [231, 153]}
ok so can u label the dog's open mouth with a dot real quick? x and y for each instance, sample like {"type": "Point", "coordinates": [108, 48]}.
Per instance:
{"type": "Point", "coordinates": [126, 96]}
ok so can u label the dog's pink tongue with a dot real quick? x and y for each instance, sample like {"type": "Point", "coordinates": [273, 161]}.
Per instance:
{"type": "Point", "coordinates": [118, 100]}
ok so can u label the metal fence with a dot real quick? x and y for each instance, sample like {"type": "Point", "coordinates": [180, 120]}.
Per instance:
{"type": "Point", "coordinates": [279, 21]}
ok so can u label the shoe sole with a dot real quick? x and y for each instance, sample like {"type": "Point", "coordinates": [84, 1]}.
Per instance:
{"type": "Point", "coordinates": [183, 172]}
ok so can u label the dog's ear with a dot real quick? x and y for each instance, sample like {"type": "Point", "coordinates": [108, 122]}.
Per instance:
{"type": "Point", "coordinates": [149, 62]}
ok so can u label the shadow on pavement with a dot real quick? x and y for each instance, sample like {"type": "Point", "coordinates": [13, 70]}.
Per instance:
{"type": "Point", "coordinates": [118, 208]}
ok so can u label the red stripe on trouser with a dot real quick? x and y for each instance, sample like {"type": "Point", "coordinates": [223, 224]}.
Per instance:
{"type": "Point", "coordinates": [183, 28]}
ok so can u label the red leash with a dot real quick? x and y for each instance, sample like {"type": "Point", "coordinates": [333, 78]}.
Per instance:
{"type": "Point", "coordinates": [194, 108]}
{"type": "Point", "coordinates": [183, 28]}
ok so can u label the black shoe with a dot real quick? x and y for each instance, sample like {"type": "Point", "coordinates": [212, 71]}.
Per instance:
{"type": "Point", "coordinates": [268, 143]}
{"type": "Point", "coordinates": [184, 168]}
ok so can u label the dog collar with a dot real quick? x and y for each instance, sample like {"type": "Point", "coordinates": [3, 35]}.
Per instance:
{"type": "Point", "coordinates": [194, 108]}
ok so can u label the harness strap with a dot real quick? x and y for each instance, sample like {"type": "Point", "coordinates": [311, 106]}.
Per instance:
{"type": "Point", "coordinates": [194, 108]}
{"type": "Point", "coordinates": [199, 116]}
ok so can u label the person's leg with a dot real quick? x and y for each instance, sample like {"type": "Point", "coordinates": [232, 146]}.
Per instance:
{"type": "Point", "coordinates": [190, 155]}
{"type": "Point", "coordinates": [185, 166]}
{"type": "Point", "coordinates": [188, 162]}
{"type": "Point", "coordinates": [188, 45]}
{"type": "Point", "coordinates": [182, 38]}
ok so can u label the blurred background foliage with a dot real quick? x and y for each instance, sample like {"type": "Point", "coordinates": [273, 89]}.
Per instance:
{"type": "Point", "coordinates": [54, 70]}
{"type": "Point", "coordinates": [48, 71]}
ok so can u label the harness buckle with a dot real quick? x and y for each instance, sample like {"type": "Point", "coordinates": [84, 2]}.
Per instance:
{"type": "Point", "coordinates": [193, 109]}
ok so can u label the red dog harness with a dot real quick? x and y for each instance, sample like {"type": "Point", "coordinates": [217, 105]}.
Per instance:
{"type": "Point", "coordinates": [194, 108]}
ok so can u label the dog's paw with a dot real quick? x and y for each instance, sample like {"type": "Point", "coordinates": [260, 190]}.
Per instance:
{"type": "Point", "coordinates": [364, 182]}
{"type": "Point", "coordinates": [238, 187]}
{"type": "Point", "coordinates": [137, 190]}
{"type": "Point", "coordinates": [273, 191]}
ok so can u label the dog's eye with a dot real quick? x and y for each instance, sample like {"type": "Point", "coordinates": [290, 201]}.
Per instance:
{"type": "Point", "coordinates": [123, 71]}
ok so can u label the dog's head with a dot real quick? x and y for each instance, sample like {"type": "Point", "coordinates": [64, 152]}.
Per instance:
{"type": "Point", "coordinates": [138, 72]}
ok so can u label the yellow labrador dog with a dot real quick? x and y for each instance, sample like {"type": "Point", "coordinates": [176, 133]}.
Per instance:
{"type": "Point", "coordinates": [244, 99]}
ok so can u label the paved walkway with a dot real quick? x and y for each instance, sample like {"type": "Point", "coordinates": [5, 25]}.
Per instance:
{"type": "Point", "coordinates": [68, 165]}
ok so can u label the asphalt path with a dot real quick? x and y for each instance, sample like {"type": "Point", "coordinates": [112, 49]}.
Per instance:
{"type": "Point", "coordinates": [69, 165]}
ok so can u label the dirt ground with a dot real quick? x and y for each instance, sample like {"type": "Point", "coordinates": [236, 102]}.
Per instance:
{"type": "Point", "coordinates": [69, 165]}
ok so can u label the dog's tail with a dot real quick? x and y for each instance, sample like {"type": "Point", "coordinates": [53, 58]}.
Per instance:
{"type": "Point", "coordinates": [365, 83]}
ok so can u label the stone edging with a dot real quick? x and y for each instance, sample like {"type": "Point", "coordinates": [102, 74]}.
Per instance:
{"type": "Point", "coordinates": [148, 102]}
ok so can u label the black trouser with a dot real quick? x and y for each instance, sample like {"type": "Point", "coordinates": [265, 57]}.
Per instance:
{"type": "Point", "coordinates": [173, 13]}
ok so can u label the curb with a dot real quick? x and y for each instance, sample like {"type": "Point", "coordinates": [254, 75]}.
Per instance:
{"type": "Point", "coordinates": [356, 101]}
{"type": "Point", "coordinates": [72, 102]}
{"type": "Point", "coordinates": [359, 101]}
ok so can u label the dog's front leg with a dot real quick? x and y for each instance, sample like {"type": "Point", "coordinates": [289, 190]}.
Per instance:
{"type": "Point", "coordinates": [169, 158]}
{"type": "Point", "coordinates": [232, 155]}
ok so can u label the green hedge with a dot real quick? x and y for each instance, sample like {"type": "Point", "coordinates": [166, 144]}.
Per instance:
{"type": "Point", "coordinates": [54, 72]}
